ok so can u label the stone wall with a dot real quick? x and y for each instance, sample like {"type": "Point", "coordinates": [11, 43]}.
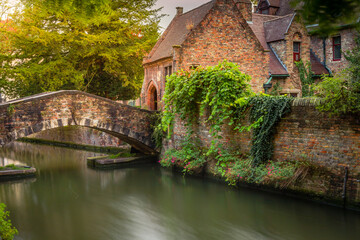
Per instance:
{"type": "Point", "coordinates": [348, 37]}
{"type": "Point", "coordinates": [33, 114]}
{"type": "Point", "coordinates": [327, 142]}
{"type": "Point", "coordinates": [79, 135]}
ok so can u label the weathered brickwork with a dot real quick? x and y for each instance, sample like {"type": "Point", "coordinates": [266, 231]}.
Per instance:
{"type": "Point", "coordinates": [154, 78]}
{"type": "Point", "coordinates": [280, 49]}
{"type": "Point", "coordinates": [224, 34]}
{"type": "Point", "coordinates": [33, 114]}
{"type": "Point", "coordinates": [348, 37]}
{"type": "Point", "coordinates": [227, 29]}
{"type": "Point", "coordinates": [330, 143]}
{"type": "Point", "coordinates": [296, 33]}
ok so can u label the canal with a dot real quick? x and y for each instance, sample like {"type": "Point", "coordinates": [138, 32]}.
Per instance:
{"type": "Point", "coordinates": [68, 201]}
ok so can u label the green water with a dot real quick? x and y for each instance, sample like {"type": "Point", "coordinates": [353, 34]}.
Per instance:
{"type": "Point", "coordinates": [69, 201]}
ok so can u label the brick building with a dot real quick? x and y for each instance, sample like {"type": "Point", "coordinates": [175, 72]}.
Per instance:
{"type": "Point", "coordinates": [265, 45]}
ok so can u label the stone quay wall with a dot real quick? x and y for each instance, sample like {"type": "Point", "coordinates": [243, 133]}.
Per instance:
{"type": "Point", "coordinates": [330, 144]}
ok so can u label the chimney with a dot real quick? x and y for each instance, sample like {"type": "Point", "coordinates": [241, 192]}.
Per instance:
{"type": "Point", "coordinates": [245, 7]}
{"type": "Point", "coordinates": [179, 10]}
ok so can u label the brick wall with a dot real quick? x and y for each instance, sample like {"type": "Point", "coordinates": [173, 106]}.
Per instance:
{"type": "Point", "coordinates": [280, 49]}
{"type": "Point", "coordinates": [328, 142]}
{"type": "Point", "coordinates": [154, 76]}
{"type": "Point", "coordinates": [224, 34]}
{"type": "Point", "coordinates": [348, 37]}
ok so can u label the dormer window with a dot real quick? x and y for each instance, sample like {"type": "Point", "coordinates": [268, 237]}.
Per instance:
{"type": "Point", "coordinates": [296, 51]}
{"type": "Point", "coordinates": [336, 48]}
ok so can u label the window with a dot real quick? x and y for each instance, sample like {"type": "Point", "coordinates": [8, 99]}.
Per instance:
{"type": "Point", "coordinates": [168, 71]}
{"type": "Point", "coordinates": [296, 50]}
{"type": "Point", "coordinates": [337, 48]}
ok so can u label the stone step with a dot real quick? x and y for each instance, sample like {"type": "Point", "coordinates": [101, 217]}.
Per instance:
{"type": "Point", "coordinates": [17, 174]}
{"type": "Point", "coordinates": [108, 163]}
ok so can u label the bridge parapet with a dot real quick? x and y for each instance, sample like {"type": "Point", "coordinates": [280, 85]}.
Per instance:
{"type": "Point", "coordinates": [22, 117]}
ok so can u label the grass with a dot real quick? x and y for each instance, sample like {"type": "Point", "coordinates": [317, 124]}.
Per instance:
{"type": "Point", "coordinates": [12, 167]}
{"type": "Point", "coordinates": [122, 154]}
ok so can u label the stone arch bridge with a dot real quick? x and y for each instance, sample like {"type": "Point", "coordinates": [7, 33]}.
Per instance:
{"type": "Point", "coordinates": [22, 117]}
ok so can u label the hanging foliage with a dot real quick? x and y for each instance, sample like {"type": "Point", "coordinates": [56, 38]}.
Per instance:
{"type": "Point", "coordinates": [266, 112]}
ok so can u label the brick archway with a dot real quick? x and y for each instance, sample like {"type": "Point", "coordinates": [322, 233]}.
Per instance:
{"type": "Point", "coordinates": [152, 97]}
{"type": "Point", "coordinates": [33, 114]}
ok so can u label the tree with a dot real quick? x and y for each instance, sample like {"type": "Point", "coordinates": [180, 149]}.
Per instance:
{"type": "Point", "coordinates": [328, 14]}
{"type": "Point", "coordinates": [100, 50]}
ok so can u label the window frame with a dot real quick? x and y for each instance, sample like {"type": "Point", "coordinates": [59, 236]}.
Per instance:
{"type": "Point", "coordinates": [167, 71]}
{"type": "Point", "coordinates": [298, 54]}
{"type": "Point", "coordinates": [333, 48]}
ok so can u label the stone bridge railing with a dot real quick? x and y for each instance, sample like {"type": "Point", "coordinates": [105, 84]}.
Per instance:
{"type": "Point", "coordinates": [22, 117]}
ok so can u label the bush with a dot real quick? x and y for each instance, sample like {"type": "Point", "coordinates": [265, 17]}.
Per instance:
{"type": "Point", "coordinates": [7, 232]}
{"type": "Point", "coordinates": [339, 93]}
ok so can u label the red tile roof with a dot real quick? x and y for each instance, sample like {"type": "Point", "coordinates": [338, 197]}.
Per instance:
{"type": "Point", "coordinates": [257, 26]}
{"type": "Point", "coordinates": [316, 66]}
{"type": "Point", "coordinates": [258, 20]}
{"type": "Point", "coordinates": [275, 67]}
{"type": "Point", "coordinates": [177, 31]}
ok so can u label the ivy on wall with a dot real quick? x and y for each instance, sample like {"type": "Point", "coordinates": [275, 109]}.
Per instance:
{"type": "Point", "coordinates": [221, 95]}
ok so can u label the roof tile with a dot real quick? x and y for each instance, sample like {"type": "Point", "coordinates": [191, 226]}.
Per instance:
{"type": "Point", "coordinates": [275, 29]}
{"type": "Point", "coordinates": [316, 66]}
{"type": "Point", "coordinates": [177, 31]}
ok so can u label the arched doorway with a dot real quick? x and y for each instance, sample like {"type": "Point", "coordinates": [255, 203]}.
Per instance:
{"type": "Point", "coordinates": [153, 103]}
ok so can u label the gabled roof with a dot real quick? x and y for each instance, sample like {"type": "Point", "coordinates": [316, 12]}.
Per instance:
{"type": "Point", "coordinates": [258, 21]}
{"type": "Point", "coordinates": [274, 3]}
{"type": "Point", "coordinates": [285, 8]}
{"type": "Point", "coordinates": [276, 29]}
{"type": "Point", "coordinates": [275, 66]}
{"type": "Point", "coordinates": [316, 66]}
{"type": "Point", "coordinates": [257, 26]}
{"type": "Point", "coordinates": [177, 31]}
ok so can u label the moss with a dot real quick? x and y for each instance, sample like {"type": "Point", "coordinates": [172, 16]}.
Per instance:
{"type": "Point", "coordinates": [122, 155]}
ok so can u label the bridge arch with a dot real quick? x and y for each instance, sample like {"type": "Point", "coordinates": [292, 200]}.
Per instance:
{"type": "Point", "coordinates": [23, 117]}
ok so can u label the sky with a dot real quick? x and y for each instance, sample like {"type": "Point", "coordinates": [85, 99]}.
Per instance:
{"type": "Point", "coordinates": [169, 8]}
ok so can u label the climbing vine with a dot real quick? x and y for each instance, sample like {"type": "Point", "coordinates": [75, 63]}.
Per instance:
{"type": "Point", "coordinates": [266, 112]}
{"type": "Point", "coordinates": [306, 78]}
{"type": "Point", "coordinates": [219, 95]}
{"type": "Point", "coordinates": [210, 91]}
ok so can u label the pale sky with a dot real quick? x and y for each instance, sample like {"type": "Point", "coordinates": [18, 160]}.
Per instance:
{"type": "Point", "coordinates": [170, 8]}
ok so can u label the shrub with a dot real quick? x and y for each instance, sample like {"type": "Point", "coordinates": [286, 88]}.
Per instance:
{"type": "Point", "coordinates": [7, 231]}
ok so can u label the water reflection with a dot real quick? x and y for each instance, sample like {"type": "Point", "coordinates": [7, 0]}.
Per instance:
{"type": "Point", "coordinates": [70, 201]}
